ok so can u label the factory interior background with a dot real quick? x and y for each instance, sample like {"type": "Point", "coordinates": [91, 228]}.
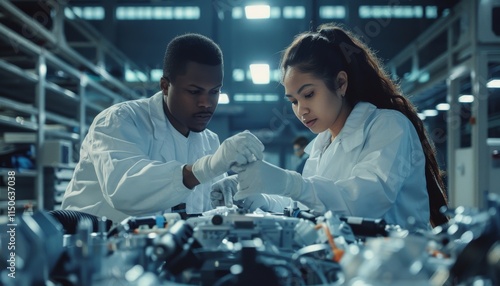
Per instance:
{"type": "Point", "coordinates": [62, 62]}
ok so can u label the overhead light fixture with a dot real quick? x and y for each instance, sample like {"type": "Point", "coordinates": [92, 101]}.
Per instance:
{"type": "Point", "coordinates": [155, 74]}
{"type": "Point", "coordinates": [424, 77]}
{"type": "Point", "coordinates": [466, 98]}
{"type": "Point", "coordinates": [223, 98]}
{"type": "Point", "coordinates": [494, 83]}
{"type": "Point", "coordinates": [260, 73]}
{"type": "Point", "coordinates": [421, 116]}
{"type": "Point", "coordinates": [135, 76]}
{"type": "Point", "coordinates": [258, 12]}
{"type": "Point", "coordinates": [238, 75]}
{"type": "Point", "coordinates": [430, 112]}
{"type": "Point", "coordinates": [443, 106]}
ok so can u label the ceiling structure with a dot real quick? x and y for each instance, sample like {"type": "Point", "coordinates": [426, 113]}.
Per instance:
{"type": "Point", "coordinates": [143, 35]}
{"type": "Point", "coordinates": [129, 40]}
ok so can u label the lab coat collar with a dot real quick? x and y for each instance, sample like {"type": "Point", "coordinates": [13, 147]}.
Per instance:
{"type": "Point", "coordinates": [161, 124]}
{"type": "Point", "coordinates": [158, 117]}
{"type": "Point", "coordinates": [352, 133]}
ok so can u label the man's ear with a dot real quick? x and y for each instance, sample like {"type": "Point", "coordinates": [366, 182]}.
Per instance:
{"type": "Point", "coordinates": [164, 84]}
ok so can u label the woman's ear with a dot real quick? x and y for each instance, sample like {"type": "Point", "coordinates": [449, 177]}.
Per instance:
{"type": "Point", "coordinates": [342, 82]}
{"type": "Point", "coordinates": [164, 83]}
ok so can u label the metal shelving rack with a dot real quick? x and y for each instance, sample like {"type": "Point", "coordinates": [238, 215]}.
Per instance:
{"type": "Point", "coordinates": [45, 82]}
{"type": "Point", "coordinates": [463, 47]}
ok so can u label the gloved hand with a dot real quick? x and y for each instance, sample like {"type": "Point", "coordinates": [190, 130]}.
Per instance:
{"type": "Point", "coordinates": [223, 191]}
{"type": "Point", "coordinates": [265, 202]}
{"type": "Point", "coordinates": [234, 152]}
{"type": "Point", "coordinates": [262, 177]}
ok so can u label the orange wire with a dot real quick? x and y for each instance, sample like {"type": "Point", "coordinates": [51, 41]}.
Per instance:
{"type": "Point", "coordinates": [337, 252]}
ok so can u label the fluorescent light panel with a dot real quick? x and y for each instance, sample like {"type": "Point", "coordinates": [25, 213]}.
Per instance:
{"type": "Point", "coordinates": [157, 13]}
{"type": "Point", "coordinates": [258, 12]}
{"type": "Point", "coordinates": [255, 97]}
{"type": "Point", "coordinates": [443, 106]}
{"type": "Point", "coordinates": [155, 74]}
{"type": "Point", "coordinates": [332, 12]}
{"type": "Point", "coordinates": [394, 11]}
{"type": "Point", "coordinates": [260, 73]}
{"type": "Point", "coordinates": [294, 12]}
{"type": "Point", "coordinates": [466, 98]}
{"type": "Point", "coordinates": [135, 76]}
{"type": "Point", "coordinates": [223, 98]}
{"type": "Point", "coordinates": [271, 97]}
{"type": "Point", "coordinates": [430, 112]}
{"type": "Point", "coordinates": [238, 75]}
{"type": "Point", "coordinates": [87, 13]}
{"type": "Point", "coordinates": [494, 83]}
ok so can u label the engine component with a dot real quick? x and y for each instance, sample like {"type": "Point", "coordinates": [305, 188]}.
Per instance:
{"type": "Point", "coordinates": [232, 247]}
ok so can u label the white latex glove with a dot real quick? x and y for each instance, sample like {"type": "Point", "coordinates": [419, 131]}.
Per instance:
{"type": "Point", "coordinates": [223, 191]}
{"type": "Point", "coordinates": [234, 153]}
{"type": "Point", "coordinates": [267, 203]}
{"type": "Point", "coordinates": [262, 177]}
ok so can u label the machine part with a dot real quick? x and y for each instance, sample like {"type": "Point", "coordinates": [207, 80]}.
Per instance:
{"type": "Point", "coordinates": [254, 271]}
{"type": "Point", "coordinates": [235, 248]}
{"type": "Point", "coordinates": [388, 261]}
{"type": "Point", "coordinates": [305, 233]}
{"type": "Point", "coordinates": [366, 226]}
{"type": "Point", "coordinates": [33, 246]}
{"type": "Point", "coordinates": [298, 213]}
{"type": "Point", "coordinates": [479, 233]}
{"type": "Point", "coordinates": [69, 220]}
{"type": "Point", "coordinates": [133, 223]}
{"type": "Point", "coordinates": [175, 248]}
{"type": "Point", "coordinates": [171, 243]}
{"type": "Point", "coordinates": [236, 227]}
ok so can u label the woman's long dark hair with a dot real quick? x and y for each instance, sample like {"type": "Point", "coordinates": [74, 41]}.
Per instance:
{"type": "Point", "coordinates": [333, 49]}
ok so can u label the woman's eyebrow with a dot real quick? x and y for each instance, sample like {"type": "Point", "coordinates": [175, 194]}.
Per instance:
{"type": "Point", "coordinates": [300, 89]}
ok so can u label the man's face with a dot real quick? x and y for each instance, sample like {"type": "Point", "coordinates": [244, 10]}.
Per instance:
{"type": "Point", "coordinates": [298, 150]}
{"type": "Point", "coordinates": [192, 97]}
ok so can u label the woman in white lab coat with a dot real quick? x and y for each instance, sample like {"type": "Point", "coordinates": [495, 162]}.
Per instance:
{"type": "Point", "coordinates": [371, 157]}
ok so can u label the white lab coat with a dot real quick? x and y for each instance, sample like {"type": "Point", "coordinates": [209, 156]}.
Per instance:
{"type": "Point", "coordinates": [374, 168]}
{"type": "Point", "coordinates": [131, 164]}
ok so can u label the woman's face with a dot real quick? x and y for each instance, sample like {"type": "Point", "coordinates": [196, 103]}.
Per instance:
{"type": "Point", "coordinates": [316, 106]}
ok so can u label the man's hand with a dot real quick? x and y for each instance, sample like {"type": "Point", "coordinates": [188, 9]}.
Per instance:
{"type": "Point", "coordinates": [235, 152]}
{"type": "Point", "coordinates": [223, 191]}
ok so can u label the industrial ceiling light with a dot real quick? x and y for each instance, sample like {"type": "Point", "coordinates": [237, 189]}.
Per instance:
{"type": "Point", "coordinates": [258, 12]}
{"type": "Point", "coordinates": [443, 106]}
{"type": "Point", "coordinates": [260, 73]}
{"type": "Point", "coordinates": [430, 112]}
{"type": "Point", "coordinates": [238, 75]}
{"type": "Point", "coordinates": [223, 98]}
{"type": "Point", "coordinates": [494, 83]}
{"type": "Point", "coordinates": [466, 98]}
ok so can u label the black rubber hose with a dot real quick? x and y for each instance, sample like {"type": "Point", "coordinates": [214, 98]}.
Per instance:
{"type": "Point", "coordinates": [70, 219]}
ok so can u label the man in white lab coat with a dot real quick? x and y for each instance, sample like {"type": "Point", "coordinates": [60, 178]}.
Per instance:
{"type": "Point", "coordinates": [151, 155]}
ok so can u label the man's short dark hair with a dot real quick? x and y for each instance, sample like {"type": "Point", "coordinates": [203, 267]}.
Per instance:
{"type": "Point", "coordinates": [302, 141]}
{"type": "Point", "coordinates": [189, 47]}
